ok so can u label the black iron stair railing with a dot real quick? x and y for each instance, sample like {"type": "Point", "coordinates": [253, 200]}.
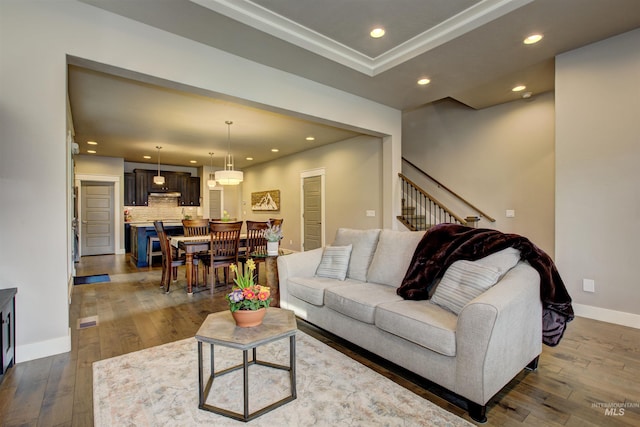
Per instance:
{"type": "Point", "coordinates": [420, 210]}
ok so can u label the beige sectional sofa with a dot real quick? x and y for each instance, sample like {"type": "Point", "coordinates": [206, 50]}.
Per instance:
{"type": "Point", "coordinates": [473, 354]}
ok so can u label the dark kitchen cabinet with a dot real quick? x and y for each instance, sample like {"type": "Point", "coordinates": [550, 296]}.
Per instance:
{"type": "Point", "coordinates": [189, 189]}
{"type": "Point", "coordinates": [129, 189]}
{"type": "Point", "coordinates": [8, 330]}
{"type": "Point", "coordinates": [142, 188]}
{"type": "Point", "coordinates": [181, 182]}
{"type": "Point", "coordinates": [194, 190]}
{"type": "Point", "coordinates": [183, 189]}
{"type": "Point", "coordinates": [171, 181]}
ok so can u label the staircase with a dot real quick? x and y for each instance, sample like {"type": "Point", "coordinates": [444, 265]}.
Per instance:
{"type": "Point", "coordinates": [421, 211]}
{"type": "Point", "coordinates": [412, 220]}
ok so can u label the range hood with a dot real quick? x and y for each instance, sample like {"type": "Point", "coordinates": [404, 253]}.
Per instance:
{"type": "Point", "coordinates": [165, 195]}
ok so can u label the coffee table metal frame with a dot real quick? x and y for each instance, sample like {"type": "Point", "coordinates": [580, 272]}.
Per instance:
{"type": "Point", "coordinates": [262, 338]}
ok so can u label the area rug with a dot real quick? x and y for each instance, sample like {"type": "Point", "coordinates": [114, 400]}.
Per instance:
{"type": "Point", "coordinates": [88, 280]}
{"type": "Point", "coordinates": [159, 387]}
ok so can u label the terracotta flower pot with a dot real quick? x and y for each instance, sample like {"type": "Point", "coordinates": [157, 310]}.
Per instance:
{"type": "Point", "coordinates": [249, 318]}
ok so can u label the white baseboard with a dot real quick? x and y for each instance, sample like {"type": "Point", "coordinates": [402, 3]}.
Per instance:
{"type": "Point", "coordinates": [606, 315]}
{"type": "Point", "coordinates": [41, 349]}
{"type": "Point", "coordinates": [120, 251]}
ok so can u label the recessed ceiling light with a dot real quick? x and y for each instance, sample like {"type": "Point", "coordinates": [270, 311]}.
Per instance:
{"type": "Point", "coordinates": [424, 81]}
{"type": "Point", "coordinates": [376, 33]}
{"type": "Point", "coordinates": [91, 151]}
{"type": "Point", "coordinates": [146, 157]}
{"type": "Point", "coordinates": [519, 88]}
{"type": "Point", "coordinates": [533, 38]}
{"type": "Point", "coordinates": [275, 150]}
{"type": "Point", "coordinates": [249, 158]}
{"type": "Point", "coordinates": [92, 143]}
{"type": "Point", "coordinates": [193, 161]}
{"type": "Point", "coordinates": [310, 138]}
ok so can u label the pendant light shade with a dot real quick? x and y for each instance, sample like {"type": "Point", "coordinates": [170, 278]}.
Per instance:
{"type": "Point", "coordinates": [229, 176]}
{"type": "Point", "coordinates": [158, 179]}
{"type": "Point", "coordinates": [211, 183]}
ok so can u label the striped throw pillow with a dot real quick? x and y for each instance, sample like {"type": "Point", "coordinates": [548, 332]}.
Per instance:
{"type": "Point", "coordinates": [462, 282]}
{"type": "Point", "coordinates": [334, 262]}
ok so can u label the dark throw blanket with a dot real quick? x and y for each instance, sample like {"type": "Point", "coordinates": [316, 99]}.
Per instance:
{"type": "Point", "coordinates": [444, 244]}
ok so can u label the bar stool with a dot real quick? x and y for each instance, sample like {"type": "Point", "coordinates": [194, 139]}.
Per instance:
{"type": "Point", "coordinates": [150, 252]}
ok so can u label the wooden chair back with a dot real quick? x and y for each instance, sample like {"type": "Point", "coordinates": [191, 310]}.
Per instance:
{"type": "Point", "coordinates": [169, 264]}
{"type": "Point", "coordinates": [195, 227]}
{"type": "Point", "coordinates": [276, 221]}
{"type": "Point", "coordinates": [165, 246]}
{"type": "Point", "coordinates": [225, 239]}
{"type": "Point", "coordinates": [255, 240]}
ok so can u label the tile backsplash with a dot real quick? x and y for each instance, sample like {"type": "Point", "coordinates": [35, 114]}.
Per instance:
{"type": "Point", "coordinates": [159, 208]}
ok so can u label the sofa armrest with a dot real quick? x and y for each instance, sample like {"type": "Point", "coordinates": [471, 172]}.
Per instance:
{"type": "Point", "coordinates": [297, 264]}
{"type": "Point", "coordinates": [498, 334]}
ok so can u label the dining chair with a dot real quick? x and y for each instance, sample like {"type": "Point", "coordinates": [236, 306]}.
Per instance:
{"type": "Point", "coordinates": [276, 221]}
{"type": "Point", "coordinates": [256, 243]}
{"type": "Point", "coordinates": [170, 262]}
{"type": "Point", "coordinates": [225, 241]}
{"type": "Point", "coordinates": [197, 227]}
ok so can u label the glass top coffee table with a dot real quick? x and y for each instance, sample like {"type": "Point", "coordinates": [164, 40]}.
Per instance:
{"type": "Point", "coordinates": [220, 329]}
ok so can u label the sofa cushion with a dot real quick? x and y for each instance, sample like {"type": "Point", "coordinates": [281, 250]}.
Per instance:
{"type": "Point", "coordinates": [334, 262]}
{"type": "Point", "coordinates": [311, 289]}
{"type": "Point", "coordinates": [364, 244]}
{"type": "Point", "coordinates": [392, 256]}
{"type": "Point", "coordinates": [462, 282]}
{"type": "Point", "coordinates": [359, 300]}
{"type": "Point", "coordinates": [420, 322]}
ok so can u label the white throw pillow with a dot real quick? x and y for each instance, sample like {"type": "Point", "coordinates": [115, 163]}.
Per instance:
{"type": "Point", "coordinates": [334, 262]}
{"type": "Point", "coordinates": [364, 244]}
{"type": "Point", "coordinates": [503, 260]}
{"type": "Point", "coordinates": [462, 282]}
{"type": "Point", "coordinates": [393, 255]}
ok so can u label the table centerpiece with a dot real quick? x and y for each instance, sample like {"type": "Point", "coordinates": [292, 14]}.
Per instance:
{"type": "Point", "coordinates": [248, 301]}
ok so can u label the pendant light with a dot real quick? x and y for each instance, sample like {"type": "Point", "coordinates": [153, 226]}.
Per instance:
{"type": "Point", "coordinates": [211, 183]}
{"type": "Point", "coordinates": [229, 176]}
{"type": "Point", "coordinates": [158, 179]}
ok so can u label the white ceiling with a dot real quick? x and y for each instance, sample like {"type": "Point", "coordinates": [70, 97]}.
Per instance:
{"type": "Point", "coordinates": [471, 50]}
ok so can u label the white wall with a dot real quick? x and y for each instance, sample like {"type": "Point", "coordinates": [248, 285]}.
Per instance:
{"type": "Point", "coordinates": [497, 158]}
{"type": "Point", "coordinates": [353, 185]}
{"type": "Point", "coordinates": [35, 39]}
{"type": "Point", "coordinates": [597, 155]}
{"type": "Point", "coordinates": [99, 165]}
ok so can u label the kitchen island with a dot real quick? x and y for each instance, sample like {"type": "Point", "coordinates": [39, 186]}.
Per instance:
{"type": "Point", "coordinates": [140, 233]}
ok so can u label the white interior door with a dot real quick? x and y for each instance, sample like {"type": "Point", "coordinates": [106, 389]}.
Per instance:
{"type": "Point", "coordinates": [215, 204]}
{"type": "Point", "coordinates": [97, 222]}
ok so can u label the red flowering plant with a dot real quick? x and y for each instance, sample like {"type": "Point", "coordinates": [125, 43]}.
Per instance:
{"type": "Point", "coordinates": [246, 294]}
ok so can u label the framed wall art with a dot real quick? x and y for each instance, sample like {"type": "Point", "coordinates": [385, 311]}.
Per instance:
{"type": "Point", "coordinates": [265, 200]}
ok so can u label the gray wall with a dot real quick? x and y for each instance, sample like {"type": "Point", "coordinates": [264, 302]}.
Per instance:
{"type": "Point", "coordinates": [497, 158]}
{"type": "Point", "coordinates": [353, 180]}
{"type": "Point", "coordinates": [37, 40]}
{"type": "Point", "coordinates": [566, 162]}
{"type": "Point", "coordinates": [598, 153]}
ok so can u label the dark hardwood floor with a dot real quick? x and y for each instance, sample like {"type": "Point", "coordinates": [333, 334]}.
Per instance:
{"type": "Point", "coordinates": [596, 365]}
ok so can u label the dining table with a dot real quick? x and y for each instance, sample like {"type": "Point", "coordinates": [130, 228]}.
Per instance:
{"type": "Point", "coordinates": [191, 245]}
